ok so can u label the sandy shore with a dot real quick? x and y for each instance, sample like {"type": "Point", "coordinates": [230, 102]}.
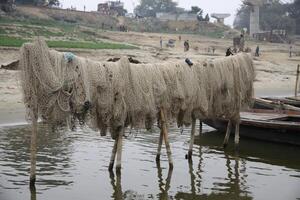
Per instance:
{"type": "Point", "coordinates": [275, 71]}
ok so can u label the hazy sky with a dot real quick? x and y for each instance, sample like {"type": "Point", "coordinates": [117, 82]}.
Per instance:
{"type": "Point", "coordinates": [209, 6]}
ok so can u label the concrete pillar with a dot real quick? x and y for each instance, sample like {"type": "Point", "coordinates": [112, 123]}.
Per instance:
{"type": "Point", "coordinates": [254, 20]}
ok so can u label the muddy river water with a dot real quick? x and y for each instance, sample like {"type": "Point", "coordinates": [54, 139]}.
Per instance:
{"type": "Point", "coordinates": [72, 165]}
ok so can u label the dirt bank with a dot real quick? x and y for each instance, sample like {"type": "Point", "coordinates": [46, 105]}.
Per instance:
{"type": "Point", "coordinates": [275, 70]}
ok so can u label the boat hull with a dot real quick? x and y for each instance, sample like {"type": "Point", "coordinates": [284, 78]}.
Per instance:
{"type": "Point", "coordinates": [279, 132]}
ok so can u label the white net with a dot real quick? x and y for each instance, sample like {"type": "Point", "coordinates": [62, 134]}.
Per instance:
{"type": "Point", "coordinates": [123, 94]}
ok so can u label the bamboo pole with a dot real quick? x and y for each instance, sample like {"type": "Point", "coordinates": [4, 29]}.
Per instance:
{"type": "Point", "coordinates": [190, 152]}
{"type": "Point", "coordinates": [165, 135]}
{"type": "Point", "coordinates": [113, 155]}
{"type": "Point", "coordinates": [33, 150]}
{"type": "Point", "coordinates": [200, 127]}
{"type": "Point", "coordinates": [119, 152]}
{"type": "Point", "coordinates": [159, 145]}
{"type": "Point", "coordinates": [297, 81]}
{"type": "Point", "coordinates": [237, 135]}
{"type": "Point", "coordinates": [32, 193]}
{"type": "Point", "coordinates": [228, 131]}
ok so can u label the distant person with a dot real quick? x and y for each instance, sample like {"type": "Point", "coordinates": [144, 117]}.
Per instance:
{"type": "Point", "coordinates": [291, 48]}
{"type": "Point", "coordinates": [160, 42]}
{"type": "Point", "coordinates": [84, 8]}
{"type": "Point", "coordinates": [257, 51]}
{"type": "Point", "coordinates": [179, 37]}
{"type": "Point", "coordinates": [213, 50]}
{"type": "Point", "coordinates": [229, 52]}
{"type": "Point", "coordinates": [242, 43]}
{"type": "Point", "coordinates": [186, 45]}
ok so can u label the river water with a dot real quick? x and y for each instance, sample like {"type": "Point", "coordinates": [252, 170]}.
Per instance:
{"type": "Point", "coordinates": [72, 165]}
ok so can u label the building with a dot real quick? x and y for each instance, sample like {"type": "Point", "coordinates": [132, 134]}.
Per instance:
{"type": "Point", "coordinates": [164, 16]}
{"type": "Point", "coordinates": [112, 8]}
{"type": "Point", "coordinates": [187, 17]}
{"type": "Point", "coordinates": [220, 17]}
{"type": "Point", "coordinates": [276, 36]}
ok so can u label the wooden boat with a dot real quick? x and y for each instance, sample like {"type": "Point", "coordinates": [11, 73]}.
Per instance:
{"type": "Point", "coordinates": [268, 125]}
{"type": "Point", "coordinates": [274, 104]}
{"type": "Point", "coordinates": [292, 101]}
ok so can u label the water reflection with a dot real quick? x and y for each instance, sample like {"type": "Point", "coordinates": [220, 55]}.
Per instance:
{"type": "Point", "coordinates": [163, 187]}
{"type": "Point", "coordinates": [228, 190]}
{"type": "Point", "coordinates": [33, 193]}
{"type": "Point", "coordinates": [74, 165]}
{"type": "Point", "coordinates": [53, 159]}
{"type": "Point", "coordinates": [116, 185]}
{"type": "Point", "coordinates": [255, 150]}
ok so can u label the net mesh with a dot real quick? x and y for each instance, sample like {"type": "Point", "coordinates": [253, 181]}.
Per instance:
{"type": "Point", "coordinates": [124, 94]}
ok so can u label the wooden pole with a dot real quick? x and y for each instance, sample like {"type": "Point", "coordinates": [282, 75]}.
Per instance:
{"type": "Point", "coordinates": [33, 150]}
{"type": "Point", "coordinates": [200, 127]}
{"type": "Point", "coordinates": [237, 135]}
{"type": "Point", "coordinates": [190, 152]}
{"type": "Point", "coordinates": [116, 185]}
{"type": "Point", "coordinates": [165, 135]}
{"type": "Point", "coordinates": [119, 152]}
{"type": "Point", "coordinates": [113, 155]}
{"type": "Point", "coordinates": [159, 144]}
{"type": "Point", "coordinates": [297, 81]}
{"type": "Point", "coordinates": [32, 193]}
{"type": "Point", "coordinates": [228, 131]}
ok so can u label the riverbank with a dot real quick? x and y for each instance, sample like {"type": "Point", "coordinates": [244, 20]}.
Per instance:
{"type": "Point", "coordinates": [275, 71]}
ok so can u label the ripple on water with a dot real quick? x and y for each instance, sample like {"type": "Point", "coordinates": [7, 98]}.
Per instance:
{"type": "Point", "coordinates": [74, 165]}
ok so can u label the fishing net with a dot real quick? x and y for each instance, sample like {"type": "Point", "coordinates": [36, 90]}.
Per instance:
{"type": "Point", "coordinates": [59, 87]}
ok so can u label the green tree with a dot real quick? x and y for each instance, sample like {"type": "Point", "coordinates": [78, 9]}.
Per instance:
{"type": "Point", "coordinates": [26, 1]}
{"type": "Point", "coordinates": [206, 18]}
{"type": "Point", "coordinates": [242, 19]}
{"type": "Point", "coordinates": [294, 12]}
{"type": "Point", "coordinates": [272, 16]}
{"type": "Point", "coordinates": [275, 16]}
{"type": "Point", "coordinates": [196, 9]}
{"type": "Point", "coordinates": [39, 2]}
{"type": "Point", "coordinates": [149, 8]}
{"type": "Point", "coordinates": [54, 3]}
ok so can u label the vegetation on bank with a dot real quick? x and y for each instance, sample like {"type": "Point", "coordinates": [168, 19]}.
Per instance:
{"type": "Point", "coordinates": [18, 42]}
{"type": "Point", "coordinates": [283, 15]}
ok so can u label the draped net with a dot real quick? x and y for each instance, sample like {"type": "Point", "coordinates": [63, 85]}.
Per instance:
{"type": "Point", "coordinates": [125, 94]}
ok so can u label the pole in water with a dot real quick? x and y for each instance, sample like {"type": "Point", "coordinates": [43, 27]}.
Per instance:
{"type": "Point", "coordinates": [190, 152]}
{"type": "Point", "coordinates": [119, 151]}
{"type": "Point", "coordinates": [237, 136]}
{"type": "Point", "coordinates": [33, 150]}
{"type": "Point", "coordinates": [297, 80]}
{"type": "Point", "coordinates": [165, 136]}
{"type": "Point", "coordinates": [228, 131]}
{"type": "Point", "coordinates": [200, 127]}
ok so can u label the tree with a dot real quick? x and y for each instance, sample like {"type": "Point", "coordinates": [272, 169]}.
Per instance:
{"type": "Point", "coordinates": [39, 2]}
{"type": "Point", "coordinates": [54, 3]}
{"type": "Point", "coordinates": [149, 8]}
{"type": "Point", "coordinates": [206, 18]}
{"type": "Point", "coordinates": [242, 19]}
{"type": "Point", "coordinates": [272, 16]}
{"type": "Point", "coordinates": [198, 11]}
{"type": "Point", "coordinates": [294, 12]}
{"type": "Point", "coordinates": [195, 9]}
{"type": "Point", "coordinates": [25, 1]}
